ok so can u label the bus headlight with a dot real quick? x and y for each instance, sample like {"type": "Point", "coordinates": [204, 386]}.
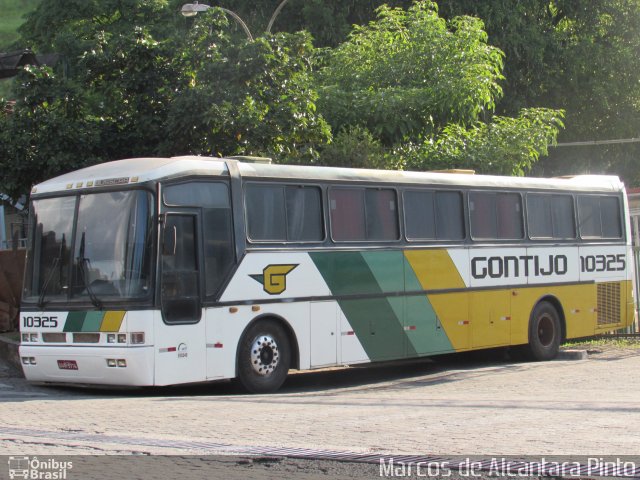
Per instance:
{"type": "Point", "coordinates": [137, 338]}
{"type": "Point", "coordinates": [122, 338]}
{"type": "Point", "coordinates": [25, 337]}
{"type": "Point", "coordinates": [111, 338]}
{"type": "Point", "coordinates": [33, 337]}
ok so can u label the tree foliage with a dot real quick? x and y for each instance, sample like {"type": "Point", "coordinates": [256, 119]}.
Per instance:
{"type": "Point", "coordinates": [46, 133]}
{"type": "Point", "coordinates": [129, 88]}
{"type": "Point", "coordinates": [426, 89]}
{"type": "Point", "coordinates": [577, 55]}
{"type": "Point", "coordinates": [250, 98]}
{"type": "Point", "coordinates": [505, 146]}
{"type": "Point", "coordinates": [408, 89]}
{"type": "Point", "coordinates": [409, 73]}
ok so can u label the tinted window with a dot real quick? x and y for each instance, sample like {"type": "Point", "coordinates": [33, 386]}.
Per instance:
{"type": "Point", "coordinates": [197, 194]}
{"type": "Point", "coordinates": [304, 214]}
{"type": "Point", "coordinates": [50, 247]}
{"type": "Point", "coordinates": [347, 214]}
{"type": "Point", "coordinates": [284, 213]}
{"type": "Point", "coordinates": [495, 215]}
{"type": "Point", "coordinates": [179, 288]}
{"type": "Point", "coordinates": [381, 214]}
{"type": "Point", "coordinates": [363, 214]}
{"type": "Point", "coordinates": [599, 216]}
{"type": "Point", "coordinates": [433, 215]}
{"type": "Point", "coordinates": [550, 216]}
{"type": "Point", "coordinates": [265, 212]}
{"type": "Point", "coordinates": [217, 226]}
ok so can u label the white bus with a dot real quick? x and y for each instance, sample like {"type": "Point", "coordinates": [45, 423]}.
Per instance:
{"type": "Point", "coordinates": [161, 271]}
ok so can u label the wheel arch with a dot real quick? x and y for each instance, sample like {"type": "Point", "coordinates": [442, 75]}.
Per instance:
{"type": "Point", "coordinates": [555, 302]}
{"type": "Point", "coordinates": [291, 336]}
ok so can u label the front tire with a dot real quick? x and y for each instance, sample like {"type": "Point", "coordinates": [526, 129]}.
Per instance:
{"type": "Point", "coordinates": [264, 357]}
{"type": "Point", "coordinates": [544, 332]}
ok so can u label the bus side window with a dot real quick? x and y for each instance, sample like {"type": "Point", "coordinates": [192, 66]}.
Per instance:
{"type": "Point", "coordinates": [599, 216]}
{"type": "Point", "coordinates": [219, 255]}
{"type": "Point", "coordinates": [496, 215]}
{"type": "Point", "coordinates": [368, 214]}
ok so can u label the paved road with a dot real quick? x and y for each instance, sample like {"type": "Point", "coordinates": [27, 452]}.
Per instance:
{"type": "Point", "coordinates": [457, 406]}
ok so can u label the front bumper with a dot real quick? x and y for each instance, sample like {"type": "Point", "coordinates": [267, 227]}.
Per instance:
{"type": "Point", "coordinates": [92, 365]}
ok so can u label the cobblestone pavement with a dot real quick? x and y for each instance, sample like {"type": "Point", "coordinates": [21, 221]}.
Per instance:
{"type": "Point", "coordinates": [457, 406]}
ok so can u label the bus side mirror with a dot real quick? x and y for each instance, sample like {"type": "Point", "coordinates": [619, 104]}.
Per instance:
{"type": "Point", "coordinates": [169, 239]}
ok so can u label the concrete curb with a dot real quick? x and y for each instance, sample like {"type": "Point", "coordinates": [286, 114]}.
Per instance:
{"type": "Point", "coordinates": [572, 355]}
{"type": "Point", "coordinates": [9, 353]}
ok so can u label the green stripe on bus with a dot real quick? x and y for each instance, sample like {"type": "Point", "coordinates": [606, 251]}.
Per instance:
{"type": "Point", "coordinates": [74, 321]}
{"type": "Point", "coordinates": [346, 273]}
{"type": "Point", "coordinates": [92, 322]}
{"type": "Point", "coordinates": [428, 335]}
{"type": "Point", "coordinates": [391, 327]}
{"type": "Point", "coordinates": [375, 321]}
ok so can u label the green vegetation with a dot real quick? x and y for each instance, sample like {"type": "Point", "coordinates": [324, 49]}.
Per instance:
{"type": "Point", "coordinates": [139, 81]}
{"type": "Point", "coordinates": [577, 55]}
{"type": "Point", "coordinates": [601, 342]}
{"type": "Point", "coordinates": [466, 84]}
{"type": "Point", "coordinates": [13, 12]}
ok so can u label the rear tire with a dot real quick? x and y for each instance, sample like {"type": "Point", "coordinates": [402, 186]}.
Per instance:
{"type": "Point", "coordinates": [264, 357]}
{"type": "Point", "coordinates": [544, 332]}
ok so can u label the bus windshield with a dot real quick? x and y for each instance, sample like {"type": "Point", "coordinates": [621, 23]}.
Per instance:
{"type": "Point", "coordinates": [90, 248]}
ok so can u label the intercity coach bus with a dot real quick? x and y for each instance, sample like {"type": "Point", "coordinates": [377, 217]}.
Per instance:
{"type": "Point", "coordinates": [160, 271]}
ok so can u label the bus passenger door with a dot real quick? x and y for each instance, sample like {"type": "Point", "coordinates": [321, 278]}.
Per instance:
{"type": "Point", "coordinates": [180, 357]}
{"type": "Point", "coordinates": [180, 298]}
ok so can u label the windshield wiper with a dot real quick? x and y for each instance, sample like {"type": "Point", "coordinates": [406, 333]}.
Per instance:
{"type": "Point", "coordinates": [43, 293]}
{"type": "Point", "coordinates": [85, 263]}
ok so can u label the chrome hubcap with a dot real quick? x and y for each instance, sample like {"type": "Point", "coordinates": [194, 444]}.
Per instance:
{"type": "Point", "coordinates": [264, 355]}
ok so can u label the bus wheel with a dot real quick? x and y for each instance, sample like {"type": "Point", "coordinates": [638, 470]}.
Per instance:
{"type": "Point", "coordinates": [264, 357]}
{"type": "Point", "coordinates": [544, 332]}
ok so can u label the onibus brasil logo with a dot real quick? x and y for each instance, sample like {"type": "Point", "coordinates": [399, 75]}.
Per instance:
{"type": "Point", "coordinates": [274, 278]}
{"type": "Point", "coordinates": [33, 468]}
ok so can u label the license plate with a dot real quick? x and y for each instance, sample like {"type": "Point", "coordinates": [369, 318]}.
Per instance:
{"type": "Point", "coordinates": [67, 365]}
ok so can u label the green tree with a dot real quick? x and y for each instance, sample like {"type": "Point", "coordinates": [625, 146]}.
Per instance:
{"type": "Point", "coordinates": [130, 89]}
{"type": "Point", "coordinates": [241, 97]}
{"type": "Point", "coordinates": [410, 72]}
{"type": "Point", "coordinates": [505, 146]}
{"type": "Point", "coordinates": [421, 84]}
{"type": "Point", "coordinates": [49, 132]}
{"type": "Point", "coordinates": [328, 21]}
{"type": "Point", "coordinates": [577, 55]}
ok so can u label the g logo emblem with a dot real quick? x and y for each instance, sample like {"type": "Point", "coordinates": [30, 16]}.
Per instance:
{"type": "Point", "coordinates": [274, 278]}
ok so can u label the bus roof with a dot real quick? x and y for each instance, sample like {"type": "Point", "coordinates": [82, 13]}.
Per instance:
{"type": "Point", "coordinates": [138, 170]}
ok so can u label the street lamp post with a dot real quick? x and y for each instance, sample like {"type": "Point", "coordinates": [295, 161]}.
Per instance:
{"type": "Point", "coordinates": [192, 9]}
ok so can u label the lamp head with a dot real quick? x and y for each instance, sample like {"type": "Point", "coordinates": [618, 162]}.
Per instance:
{"type": "Point", "coordinates": [192, 9]}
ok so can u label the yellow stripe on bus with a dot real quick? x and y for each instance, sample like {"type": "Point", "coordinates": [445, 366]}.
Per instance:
{"type": "Point", "coordinates": [112, 321]}
{"type": "Point", "coordinates": [434, 269]}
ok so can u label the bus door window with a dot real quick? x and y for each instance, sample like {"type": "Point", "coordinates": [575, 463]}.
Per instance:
{"type": "Point", "coordinates": [212, 201]}
{"type": "Point", "coordinates": [179, 286]}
